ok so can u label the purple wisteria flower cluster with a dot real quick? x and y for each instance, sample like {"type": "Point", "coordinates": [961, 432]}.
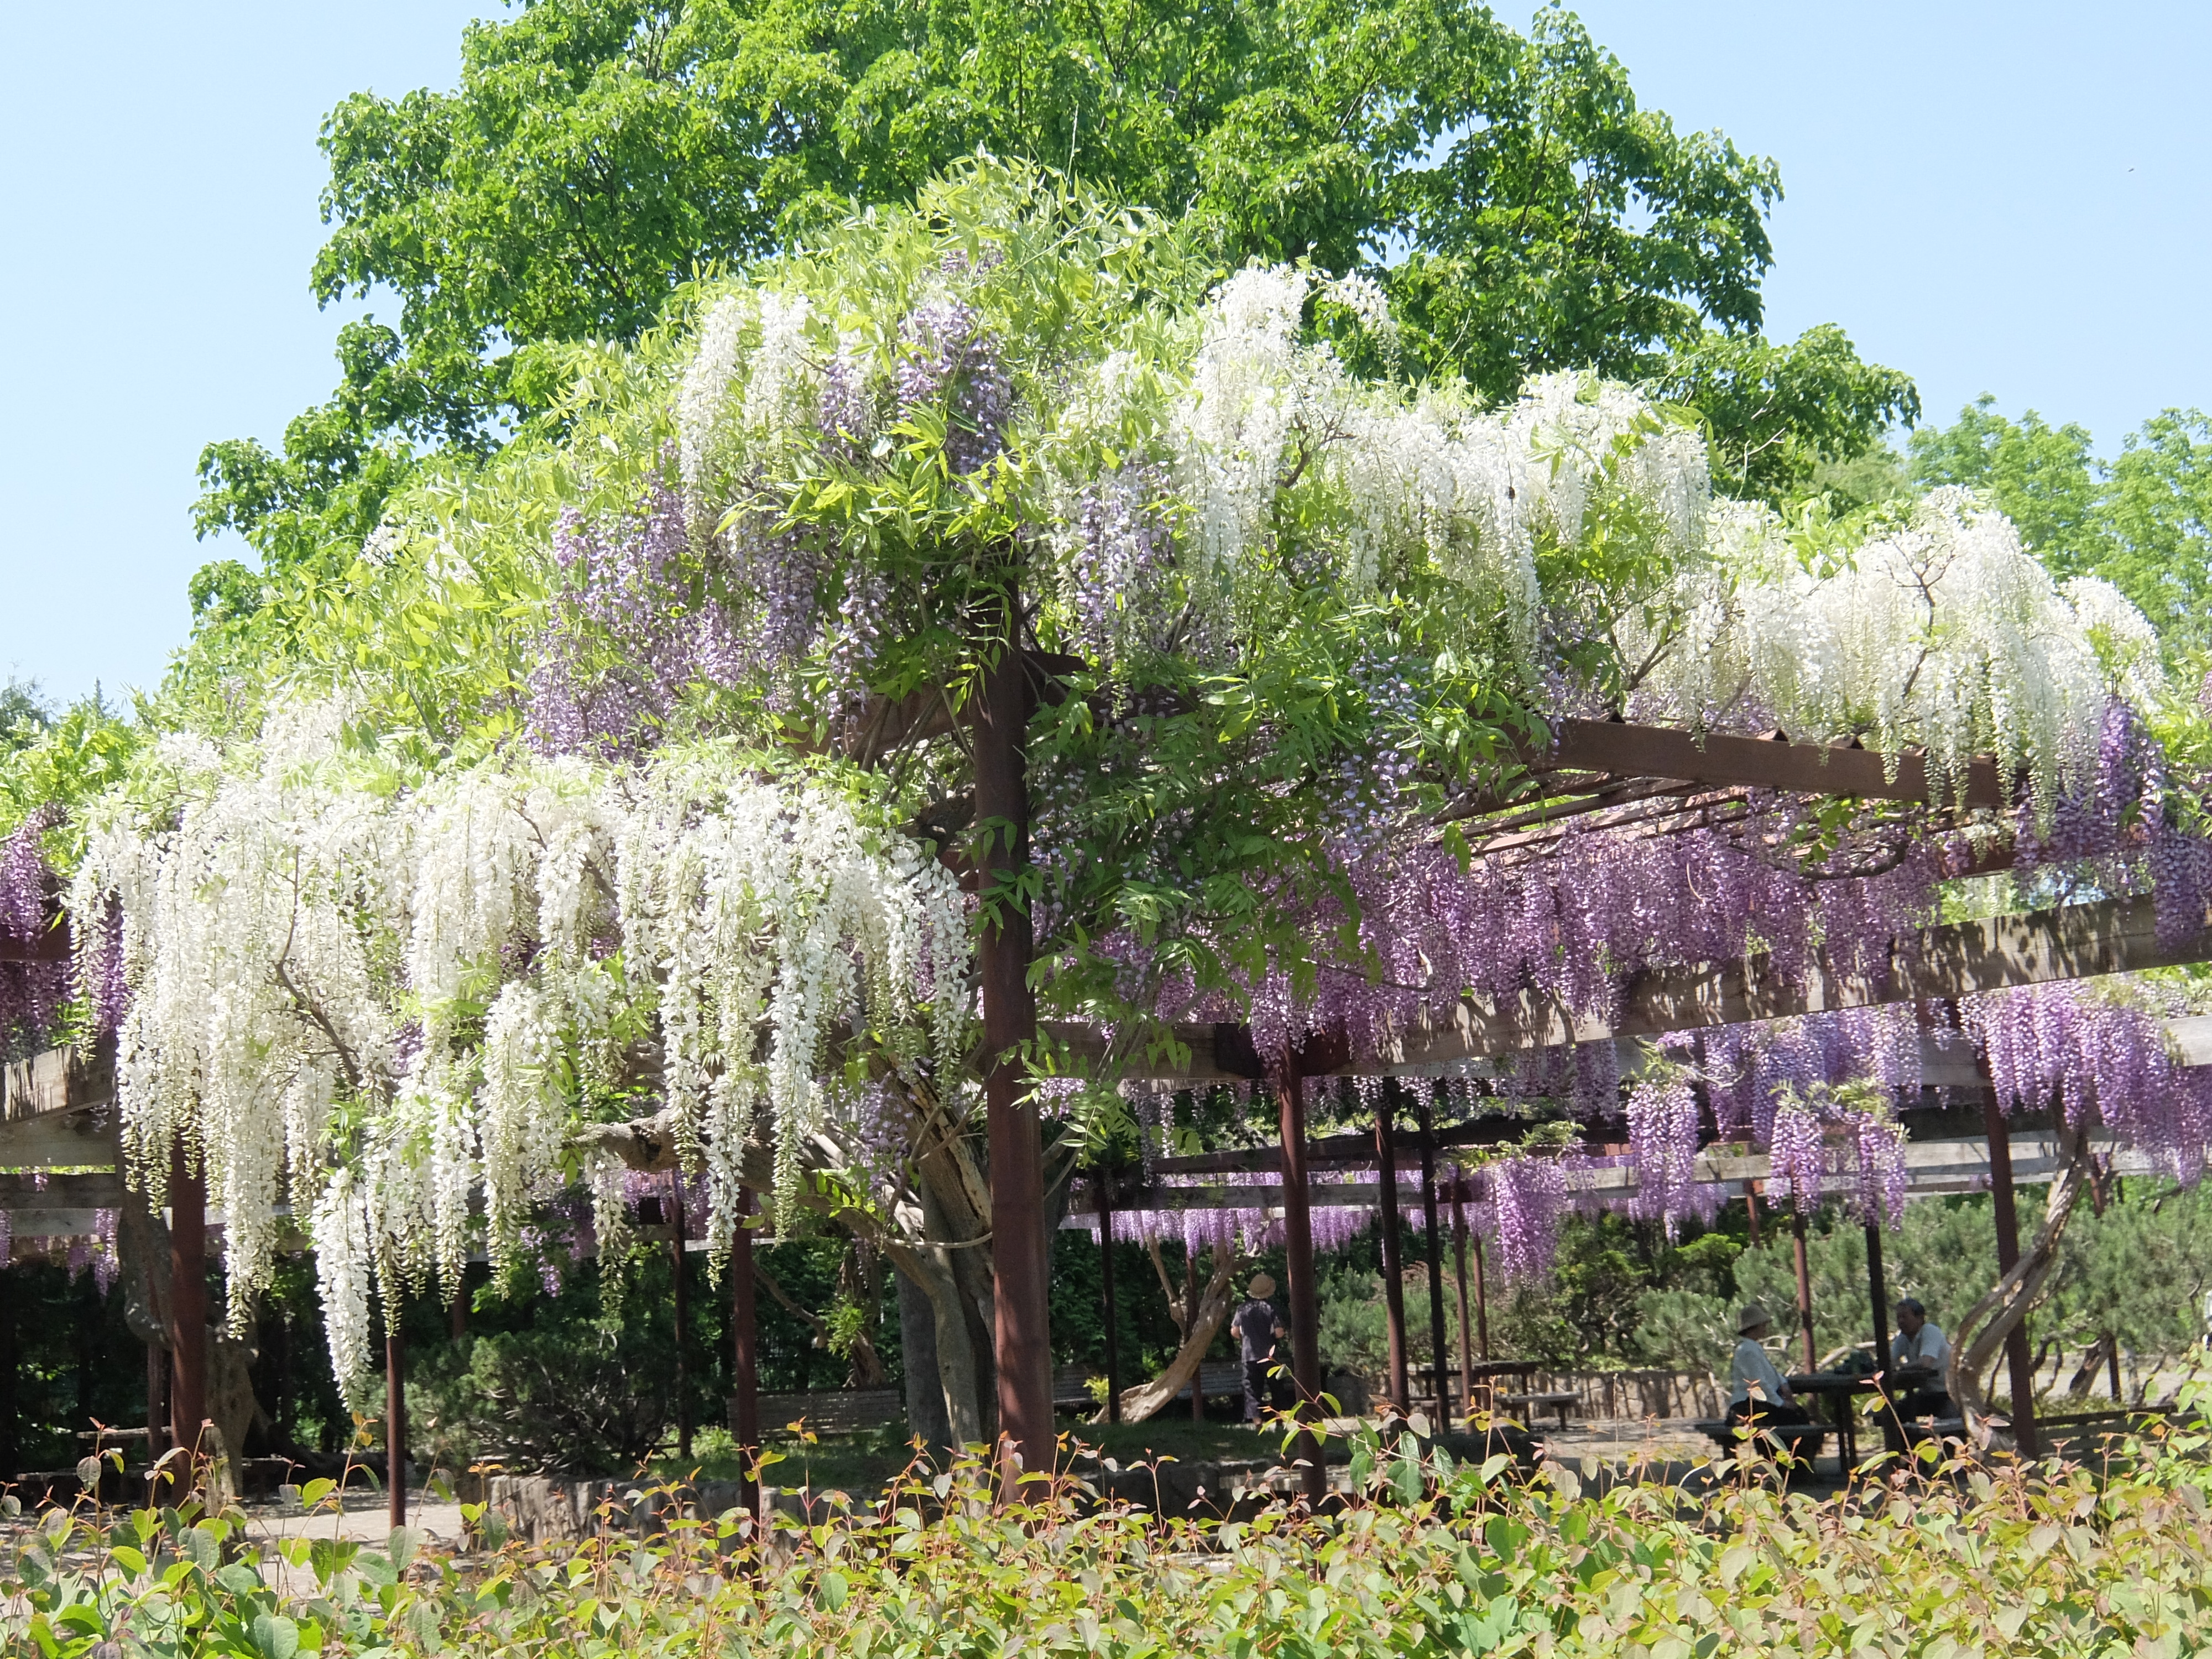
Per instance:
{"type": "Point", "coordinates": [948, 359]}
{"type": "Point", "coordinates": [1573, 927]}
{"type": "Point", "coordinates": [2118, 826]}
{"type": "Point", "coordinates": [31, 993]}
{"type": "Point", "coordinates": [1520, 1202]}
{"type": "Point", "coordinates": [1753, 1070]}
{"type": "Point", "coordinates": [630, 633]}
{"type": "Point", "coordinates": [1118, 548]}
{"type": "Point", "coordinates": [1363, 793]}
{"type": "Point", "coordinates": [2063, 1047]}
{"type": "Point", "coordinates": [1665, 1133]}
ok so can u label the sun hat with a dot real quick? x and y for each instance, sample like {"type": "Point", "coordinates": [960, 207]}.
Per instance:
{"type": "Point", "coordinates": [1261, 1287]}
{"type": "Point", "coordinates": [1750, 1319]}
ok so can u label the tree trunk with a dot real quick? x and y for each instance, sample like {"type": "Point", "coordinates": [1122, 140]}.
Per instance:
{"type": "Point", "coordinates": [1990, 1321]}
{"type": "Point", "coordinates": [1147, 1399]}
{"type": "Point", "coordinates": [930, 1268]}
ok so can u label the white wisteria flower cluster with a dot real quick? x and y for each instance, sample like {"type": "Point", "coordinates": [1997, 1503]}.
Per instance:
{"type": "Point", "coordinates": [1174, 463]}
{"type": "Point", "coordinates": [373, 995]}
{"type": "Point", "coordinates": [1220, 416]}
{"type": "Point", "coordinates": [1939, 629]}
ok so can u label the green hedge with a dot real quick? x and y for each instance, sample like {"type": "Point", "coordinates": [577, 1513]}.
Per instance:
{"type": "Point", "coordinates": [1435, 1559]}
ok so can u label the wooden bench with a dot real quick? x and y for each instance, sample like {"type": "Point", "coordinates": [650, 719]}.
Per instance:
{"type": "Point", "coordinates": [1561, 1403]}
{"type": "Point", "coordinates": [1727, 1434]}
{"type": "Point", "coordinates": [841, 1411]}
{"type": "Point", "coordinates": [1070, 1389]}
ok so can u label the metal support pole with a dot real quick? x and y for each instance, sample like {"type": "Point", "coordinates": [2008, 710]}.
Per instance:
{"type": "Point", "coordinates": [1104, 1178]}
{"type": "Point", "coordinates": [1459, 1279]}
{"type": "Point", "coordinates": [1878, 1293]}
{"type": "Point", "coordinates": [1020, 1282]}
{"type": "Point", "coordinates": [2019, 1363]}
{"type": "Point", "coordinates": [11, 1378]}
{"type": "Point", "coordinates": [1298, 1259]}
{"type": "Point", "coordinates": [157, 1411]}
{"type": "Point", "coordinates": [1804, 1284]}
{"type": "Point", "coordinates": [395, 1415]}
{"type": "Point", "coordinates": [745, 1371]}
{"type": "Point", "coordinates": [188, 1308]}
{"type": "Point", "coordinates": [1436, 1258]}
{"type": "Point", "coordinates": [1190, 1299]}
{"type": "Point", "coordinates": [1481, 1299]}
{"type": "Point", "coordinates": [1393, 1268]}
{"type": "Point", "coordinates": [682, 1319]}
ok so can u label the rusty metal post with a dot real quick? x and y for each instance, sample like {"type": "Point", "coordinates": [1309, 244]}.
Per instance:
{"type": "Point", "coordinates": [188, 1310]}
{"type": "Point", "coordinates": [1459, 1278]}
{"type": "Point", "coordinates": [395, 1415]}
{"type": "Point", "coordinates": [744, 1370]}
{"type": "Point", "coordinates": [1020, 1282]}
{"type": "Point", "coordinates": [1104, 1177]}
{"type": "Point", "coordinates": [1878, 1293]}
{"type": "Point", "coordinates": [1481, 1300]}
{"type": "Point", "coordinates": [1394, 1267]}
{"type": "Point", "coordinates": [1298, 1259]}
{"type": "Point", "coordinates": [1804, 1284]}
{"type": "Point", "coordinates": [682, 1321]}
{"type": "Point", "coordinates": [1435, 1258]}
{"type": "Point", "coordinates": [2018, 1361]}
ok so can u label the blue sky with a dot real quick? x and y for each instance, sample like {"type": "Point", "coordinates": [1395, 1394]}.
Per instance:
{"type": "Point", "coordinates": [2007, 198]}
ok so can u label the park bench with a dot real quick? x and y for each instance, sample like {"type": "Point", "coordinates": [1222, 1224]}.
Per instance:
{"type": "Point", "coordinates": [1802, 1440]}
{"type": "Point", "coordinates": [1070, 1389]}
{"type": "Point", "coordinates": [839, 1411]}
{"type": "Point", "coordinates": [1524, 1404]}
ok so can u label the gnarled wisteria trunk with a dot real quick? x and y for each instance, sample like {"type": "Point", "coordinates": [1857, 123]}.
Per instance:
{"type": "Point", "coordinates": [933, 1235]}
{"type": "Point", "coordinates": [1200, 1325]}
{"type": "Point", "coordinates": [1981, 1333]}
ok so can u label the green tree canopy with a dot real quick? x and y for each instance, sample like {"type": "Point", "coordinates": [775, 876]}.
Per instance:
{"type": "Point", "coordinates": [2142, 521]}
{"type": "Point", "coordinates": [1525, 214]}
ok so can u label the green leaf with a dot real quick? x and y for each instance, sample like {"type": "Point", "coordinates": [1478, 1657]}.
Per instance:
{"type": "Point", "coordinates": [275, 1637]}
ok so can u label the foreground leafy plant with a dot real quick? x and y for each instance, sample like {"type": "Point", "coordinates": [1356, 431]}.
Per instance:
{"type": "Point", "coordinates": [1433, 1557]}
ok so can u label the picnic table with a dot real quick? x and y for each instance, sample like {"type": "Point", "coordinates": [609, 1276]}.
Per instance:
{"type": "Point", "coordinates": [1837, 1389]}
{"type": "Point", "coordinates": [1561, 1403]}
{"type": "Point", "coordinates": [1483, 1374]}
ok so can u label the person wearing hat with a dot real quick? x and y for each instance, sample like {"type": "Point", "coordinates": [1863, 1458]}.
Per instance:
{"type": "Point", "coordinates": [1755, 1387]}
{"type": "Point", "coordinates": [1257, 1329]}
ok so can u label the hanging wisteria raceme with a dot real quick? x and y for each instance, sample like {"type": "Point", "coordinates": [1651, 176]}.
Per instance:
{"type": "Point", "coordinates": [1574, 928]}
{"type": "Point", "coordinates": [1753, 1070]}
{"type": "Point", "coordinates": [631, 628]}
{"type": "Point", "coordinates": [1243, 1230]}
{"type": "Point", "coordinates": [2067, 1048]}
{"type": "Point", "coordinates": [2116, 824]}
{"type": "Point", "coordinates": [1797, 1156]}
{"type": "Point", "coordinates": [305, 945]}
{"type": "Point", "coordinates": [31, 993]}
{"type": "Point", "coordinates": [1664, 1133]}
{"type": "Point", "coordinates": [1941, 630]}
{"type": "Point", "coordinates": [1521, 1200]}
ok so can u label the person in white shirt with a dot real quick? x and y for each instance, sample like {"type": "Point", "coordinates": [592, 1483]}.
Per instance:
{"type": "Point", "coordinates": [1756, 1389]}
{"type": "Point", "coordinates": [1922, 1353]}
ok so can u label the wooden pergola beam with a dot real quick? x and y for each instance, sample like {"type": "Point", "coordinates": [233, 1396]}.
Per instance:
{"type": "Point", "coordinates": [1621, 749]}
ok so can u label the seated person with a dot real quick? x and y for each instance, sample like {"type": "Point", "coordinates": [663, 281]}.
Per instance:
{"type": "Point", "coordinates": [1920, 1361]}
{"type": "Point", "coordinates": [1756, 1390]}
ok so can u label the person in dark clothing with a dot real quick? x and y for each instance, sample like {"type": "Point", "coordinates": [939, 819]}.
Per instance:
{"type": "Point", "coordinates": [1257, 1329]}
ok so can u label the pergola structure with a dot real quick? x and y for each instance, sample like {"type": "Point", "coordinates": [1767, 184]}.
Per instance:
{"type": "Point", "coordinates": [1647, 779]}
